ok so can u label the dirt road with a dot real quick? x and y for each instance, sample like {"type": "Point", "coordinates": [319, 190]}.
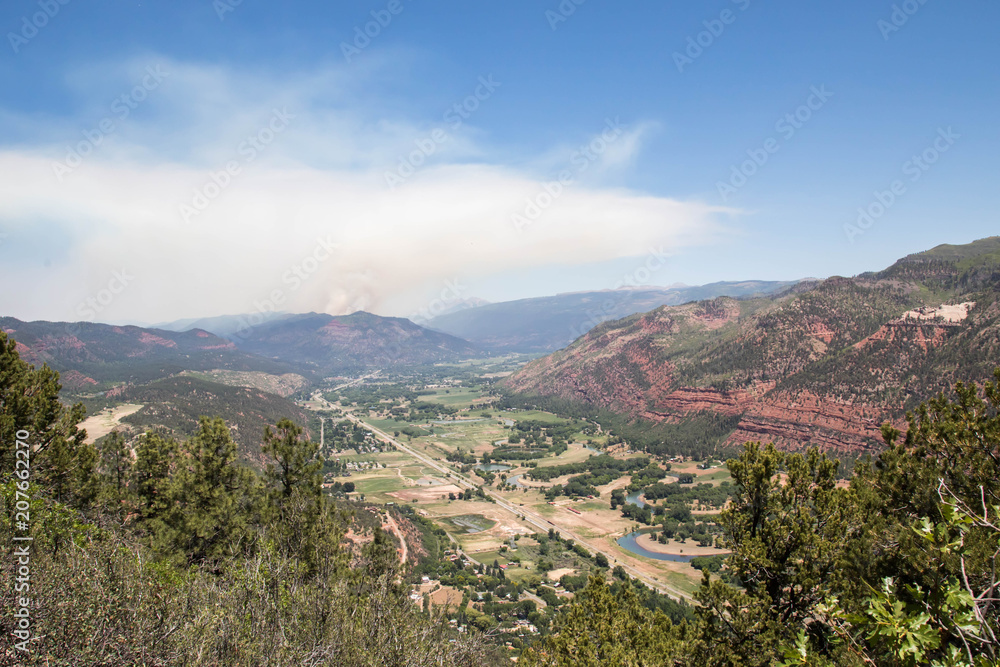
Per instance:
{"type": "Point", "coordinates": [395, 530]}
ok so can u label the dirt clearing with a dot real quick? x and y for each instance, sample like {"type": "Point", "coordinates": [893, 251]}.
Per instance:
{"type": "Point", "coordinates": [107, 420]}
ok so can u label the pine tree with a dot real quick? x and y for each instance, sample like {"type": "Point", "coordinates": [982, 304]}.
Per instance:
{"type": "Point", "coordinates": [116, 465]}
{"type": "Point", "coordinates": [296, 463]}
{"type": "Point", "coordinates": [29, 405]}
{"type": "Point", "coordinates": [213, 493]}
{"type": "Point", "coordinates": [604, 628]}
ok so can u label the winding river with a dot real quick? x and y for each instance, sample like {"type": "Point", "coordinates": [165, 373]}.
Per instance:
{"type": "Point", "coordinates": [629, 543]}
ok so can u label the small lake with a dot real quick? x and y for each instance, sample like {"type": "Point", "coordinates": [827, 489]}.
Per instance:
{"type": "Point", "coordinates": [630, 544]}
{"type": "Point", "coordinates": [492, 467]}
{"type": "Point", "coordinates": [515, 480]}
{"type": "Point", "coordinates": [634, 499]}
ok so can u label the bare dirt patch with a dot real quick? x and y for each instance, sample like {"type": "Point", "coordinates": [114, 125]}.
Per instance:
{"type": "Point", "coordinates": [619, 483]}
{"type": "Point", "coordinates": [556, 575]}
{"type": "Point", "coordinates": [446, 595]}
{"type": "Point", "coordinates": [107, 420]}
{"type": "Point", "coordinates": [945, 312]}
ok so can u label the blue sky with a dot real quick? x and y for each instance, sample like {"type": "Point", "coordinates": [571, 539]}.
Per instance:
{"type": "Point", "coordinates": [240, 157]}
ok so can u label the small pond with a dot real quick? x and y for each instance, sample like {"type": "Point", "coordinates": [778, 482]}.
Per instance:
{"type": "Point", "coordinates": [492, 467]}
{"type": "Point", "coordinates": [634, 499]}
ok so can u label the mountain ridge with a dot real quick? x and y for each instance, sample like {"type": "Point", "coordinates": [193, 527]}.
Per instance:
{"type": "Point", "coordinates": [545, 324]}
{"type": "Point", "coordinates": [96, 356]}
{"type": "Point", "coordinates": [348, 343]}
{"type": "Point", "coordinates": [821, 363]}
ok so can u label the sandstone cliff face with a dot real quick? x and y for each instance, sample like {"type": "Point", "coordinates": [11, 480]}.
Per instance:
{"type": "Point", "coordinates": [792, 421]}
{"type": "Point", "coordinates": [825, 365]}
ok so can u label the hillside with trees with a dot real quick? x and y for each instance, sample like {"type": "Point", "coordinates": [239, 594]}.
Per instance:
{"type": "Point", "coordinates": [176, 404]}
{"type": "Point", "coordinates": [823, 363]}
{"type": "Point", "coordinates": [548, 323]}
{"type": "Point", "coordinates": [350, 343]}
{"type": "Point", "coordinates": [94, 357]}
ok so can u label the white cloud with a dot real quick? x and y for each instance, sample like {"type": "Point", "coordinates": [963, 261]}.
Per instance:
{"type": "Point", "coordinates": [320, 178]}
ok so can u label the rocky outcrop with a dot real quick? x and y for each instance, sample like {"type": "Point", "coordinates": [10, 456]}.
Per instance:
{"type": "Point", "coordinates": [790, 421]}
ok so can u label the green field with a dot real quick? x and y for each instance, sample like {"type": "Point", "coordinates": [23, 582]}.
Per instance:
{"type": "Point", "coordinates": [716, 476]}
{"type": "Point", "coordinates": [378, 484]}
{"type": "Point", "coordinates": [453, 396]}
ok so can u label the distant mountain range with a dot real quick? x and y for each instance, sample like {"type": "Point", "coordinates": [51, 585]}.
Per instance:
{"type": "Point", "coordinates": [546, 324]}
{"type": "Point", "coordinates": [349, 343]}
{"type": "Point", "coordinates": [823, 362]}
{"type": "Point", "coordinates": [96, 356]}
{"type": "Point", "coordinates": [224, 326]}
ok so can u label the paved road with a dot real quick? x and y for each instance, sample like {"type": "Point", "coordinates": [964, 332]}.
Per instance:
{"type": "Point", "coordinates": [529, 517]}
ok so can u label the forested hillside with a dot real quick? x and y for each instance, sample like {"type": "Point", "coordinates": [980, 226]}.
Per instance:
{"type": "Point", "coordinates": [93, 357]}
{"type": "Point", "coordinates": [177, 403]}
{"type": "Point", "coordinates": [823, 363]}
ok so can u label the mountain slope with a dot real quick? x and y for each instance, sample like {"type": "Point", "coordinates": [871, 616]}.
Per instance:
{"type": "Point", "coordinates": [176, 403]}
{"type": "Point", "coordinates": [352, 342]}
{"type": "Point", "coordinates": [545, 324]}
{"type": "Point", "coordinates": [94, 356]}
{"type": "Point", "coordinates": [825, 363]}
